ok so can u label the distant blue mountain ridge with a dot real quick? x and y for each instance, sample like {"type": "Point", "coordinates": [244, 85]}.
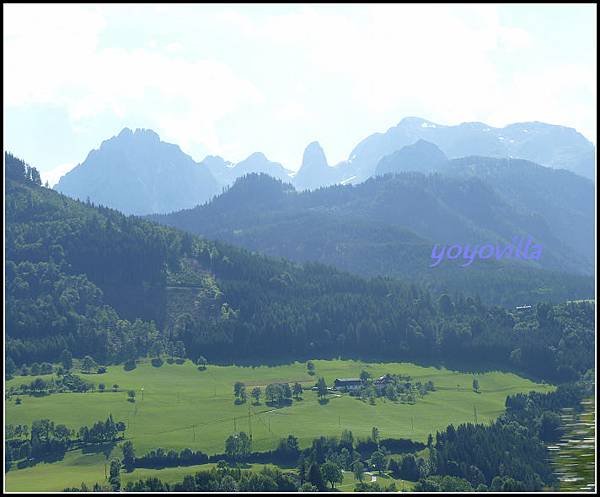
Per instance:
{"type": "Point", "coordinates": [137, 173]}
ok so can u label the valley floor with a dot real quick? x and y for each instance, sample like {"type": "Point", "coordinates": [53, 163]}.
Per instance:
{"type": "Point", "coordinates": [184, 407]}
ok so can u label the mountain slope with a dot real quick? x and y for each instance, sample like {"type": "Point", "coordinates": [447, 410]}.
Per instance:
{"type": "Point", "coordinates": [314, 171]}
{"type": "Point", "coordinates": [563, 198]}
{"type": "Point", "coordinates": [258, 163]}
{"type": "Point", "coordinates": [422, 156]}
{"type": "Point", "coordinates": [64, 258]}
{"type": "Point", "coordinates": [546, 144]}
{"type": "Point", "coordinates": [388, 226]}
{"type": "Point", "coordinates": [136, 173]}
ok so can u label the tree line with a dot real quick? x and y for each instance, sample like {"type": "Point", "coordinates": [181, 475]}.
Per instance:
{"type": "Point", "coordinates": [92, 281]}
{"type": "Point", "coordinates": [46, 441]}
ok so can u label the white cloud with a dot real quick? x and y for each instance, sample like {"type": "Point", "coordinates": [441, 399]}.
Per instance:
{"type": "Point", "coordinates": [439, 59]}
{"type": "Point", "coordinates": [291, 110]}
{"type": "Point", "coordinates": [53, 175]}
{"type": "Point", "coordinates": [232, 80]}
{"type": "Point", "coordinates": [53, 57]}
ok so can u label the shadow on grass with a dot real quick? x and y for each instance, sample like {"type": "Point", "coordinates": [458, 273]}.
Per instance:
{"type": "Point", "coordinates": [101, 448]}
{"type": "Point", "coordinates": [280, 404]}
{"type": "Point", "coordinates": [48, 458]}
{"type": "Point", "coordinates": [461, 365]}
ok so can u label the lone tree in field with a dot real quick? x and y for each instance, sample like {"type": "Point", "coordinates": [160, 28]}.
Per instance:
{"type": "Point", "coordinates": [131, 395]}
{"type": "Point", "coordinates": [332, 473]}
{"type": "Point", "coordinates": [364, 375]}
{"type": "Point", "coordinates": [238, 446]}
{"type": "Point", "coordinates": [88, 364]}
{"type": "Point", "coordinates": [321, 387]}
{"type": "Point", "coordinates": [115, 387]}
{"type": "Point", "coordinates": [239, 390]}
{"type": "Point", "coordinates": [256, 393]}
{"type": "Point", "coordinates": [475, 385]}
{"type": "Point", "coordinates": [310, 366]}
{"type": "Point", "coordinates": [297, 390]}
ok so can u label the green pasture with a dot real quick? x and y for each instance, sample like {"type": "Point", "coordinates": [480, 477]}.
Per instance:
{"type": "Point", "coordinates": [184, 407]}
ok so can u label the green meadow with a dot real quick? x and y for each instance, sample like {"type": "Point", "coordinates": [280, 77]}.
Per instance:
{"type": "Point", "coordinates": [183, 407]}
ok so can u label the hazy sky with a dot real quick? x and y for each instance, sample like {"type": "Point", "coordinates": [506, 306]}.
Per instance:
{"type": "Point", "coordinates": [233, 79]}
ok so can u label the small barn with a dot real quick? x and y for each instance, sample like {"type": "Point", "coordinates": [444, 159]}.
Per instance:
{"type": "Point", "coordinates": [347, 384]}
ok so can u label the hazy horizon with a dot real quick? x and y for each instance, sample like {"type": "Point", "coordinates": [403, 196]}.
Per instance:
{"type": "Point", "coordinates": [233, 80]}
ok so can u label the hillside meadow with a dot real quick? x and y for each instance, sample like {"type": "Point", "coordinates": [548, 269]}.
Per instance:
{"type": "Point", "coordinates": [184, 407]}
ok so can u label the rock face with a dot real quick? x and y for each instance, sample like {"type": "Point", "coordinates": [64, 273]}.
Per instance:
{"type": "Point", "coordinates": [554, 146]}
{"type": "Point", "coordinates": [314, 171]}
{"type": "Point", "coordinates": [422, 156]}
{"type": "Point", "coordinates": [221, 169]}
{"type": "Point", "coordinates": [137, 173]}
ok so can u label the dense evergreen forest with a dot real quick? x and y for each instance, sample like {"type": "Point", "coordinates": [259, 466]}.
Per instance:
{"type": "Point", "coordinates": [92, 281]}
{"type": "Point", "coordinates": [388, 226]}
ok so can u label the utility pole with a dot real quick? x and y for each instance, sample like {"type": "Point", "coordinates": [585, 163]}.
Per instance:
{"type": "Point", "coordinates": [194, 429]}
{"type": "Point", "coordinates": [249, 423]}
{"type": "Point", "coordinates": [475, 413]}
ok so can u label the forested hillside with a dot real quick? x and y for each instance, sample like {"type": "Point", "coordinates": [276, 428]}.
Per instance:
{"type": "Point", "coordinates": [93, 281]}
{"type": "Point", "coordinates": [388, 226]}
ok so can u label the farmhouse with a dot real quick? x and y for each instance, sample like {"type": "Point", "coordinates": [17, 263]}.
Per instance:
{"type": "Point", "coordinates": [347, 384]}
{"type": "Point", "coordinates": [381, 382]}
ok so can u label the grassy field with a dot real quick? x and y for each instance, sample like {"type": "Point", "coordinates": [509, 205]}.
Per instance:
{"type": "Point", "coordinates": [183, 407]}
{"type": "Point", "coordinates": [89, 468]}
{"type": "Point", "coordinates": [77, 467]}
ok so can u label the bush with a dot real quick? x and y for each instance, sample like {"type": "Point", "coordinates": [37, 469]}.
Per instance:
{"type": "Point", "coordinates": [157, 362]}
{"type": "Point", "coordinates": [102, 370]}
{"type": "Point", "coordinates": [129, 365]}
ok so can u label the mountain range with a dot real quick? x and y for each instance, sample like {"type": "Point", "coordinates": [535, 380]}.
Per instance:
{"type": "Point", "coordinates": [414, 194]}
{"type": "Point", "coordinates": [387, 226]}
{"type": "Point", "coordinates": [138, 173]}
{"type": "Point", "coordinates": [546, 144]}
